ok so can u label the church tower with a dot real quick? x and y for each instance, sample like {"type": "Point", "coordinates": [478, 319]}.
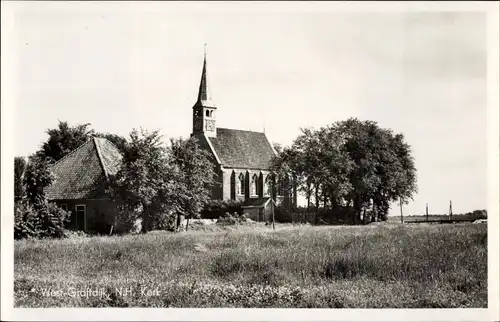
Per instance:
{"type": "Point", "coordinates": [204, 108]}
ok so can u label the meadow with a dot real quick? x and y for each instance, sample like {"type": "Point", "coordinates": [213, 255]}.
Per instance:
{"type": "Point", "coordinates": [373, 266]}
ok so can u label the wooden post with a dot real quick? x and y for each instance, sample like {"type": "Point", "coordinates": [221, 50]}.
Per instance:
{"type": "Point", "coordinates": [426, 212]}
{"type": "Point", "coordinates": [115, 222]}
{"type": "Point", "coordinates": [451, 212]}
{"type": "Point", "coordinates": [272, 203]}
{"type": "Point", "coordinates": [272, 207]}
{"type": "Point", "coordinates": [401, 209]}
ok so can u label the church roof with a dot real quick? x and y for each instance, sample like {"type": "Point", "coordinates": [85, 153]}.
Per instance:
{"type": "Point", "coordinates": [82, 173]}
{"type": "Point", "coordinates": [242, 149]}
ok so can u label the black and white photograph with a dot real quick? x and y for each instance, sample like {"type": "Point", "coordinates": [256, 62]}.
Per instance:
{"type": "Point", "coordinates": [283, 156]}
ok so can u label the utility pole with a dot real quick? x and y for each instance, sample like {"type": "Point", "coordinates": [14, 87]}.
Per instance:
{"type": "Point", "coordinates": [426, 212]}
{"type": "Point", "coordinates": [401, 209]}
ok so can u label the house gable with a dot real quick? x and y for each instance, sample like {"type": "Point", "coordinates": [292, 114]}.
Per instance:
{"type": "Point", "coordinates": [83, 173]}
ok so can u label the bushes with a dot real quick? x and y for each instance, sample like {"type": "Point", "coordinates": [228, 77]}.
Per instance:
{"type": "Point", "coordinates": [218, 208]}
{"type": "Point", "coordinates": [282, 214]}
{"type": "Point", "coordinates": [127, 220]}
{"type": "Point", "coordinates": [54, 220]}
{"type": "Point", "coordinates": [47, 221]}
{"type": "Point", "coordinates": [234, 219]}
{"type": "Point", "coordinates": [164, 221]}
{"type": "Point", "coordinates": [24, 220]}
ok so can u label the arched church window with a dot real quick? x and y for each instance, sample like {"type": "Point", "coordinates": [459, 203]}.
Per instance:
{"type": "Point", "coordinates": [240, 185]}
{"type": "Point", "coordinates": [211, 113]}
{"type": "Point", "coordinates": [253, 185]}
{"type": "Point", "coordinates": [267, 186]}
{"type": "Point", "coordinates": [207, 113]}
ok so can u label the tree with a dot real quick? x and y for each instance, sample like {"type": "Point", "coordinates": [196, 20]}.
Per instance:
{"type": "Point", "coordinates": [37, 178]}
{"type": "Point", "coordinates": [19, 168]}
{"type": "Point", "coordinates": [277, 147]}
{"type": "Point", "coordinates": [36, 216]}
{"type": "Point", "coordinates": [383, 168]}
{"type": "Point", "coordinates": [158, 182]}
{"type": "Point", "coordinates": [351, 163]}
{"type": "Point", "coordinates": [285, 166]}
{"type": "Point", "coordinates": [64, 139]}
{"type": "Point", "coordinates": [308, 163]}
{"type": "Point", "coordinates": [336, 167]}
{"type": "Point", "coordinates": [119, 141]}
{"type": "Point", "coordinates": [360, 144]}
{"type": "Point", "coordinates": [146, 179]}
{"type": "Point", "coordinates": [196, 176]}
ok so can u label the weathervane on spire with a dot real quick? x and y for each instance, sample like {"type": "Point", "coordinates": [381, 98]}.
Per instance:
{"type": "Point", "coordinates": [205, 49]}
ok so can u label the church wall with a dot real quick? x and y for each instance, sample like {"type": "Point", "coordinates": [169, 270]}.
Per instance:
{"type": "Point", "coordinates": [225, 187]}
{"type": "Point", "coordinates": [228, 183]}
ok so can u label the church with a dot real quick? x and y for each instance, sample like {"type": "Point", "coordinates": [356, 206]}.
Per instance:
{"type": "Point", "coordinates": [242, 159]}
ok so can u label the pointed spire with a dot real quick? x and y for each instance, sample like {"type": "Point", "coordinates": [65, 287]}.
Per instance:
{"type": "Point", "coordinates": [204, 98]}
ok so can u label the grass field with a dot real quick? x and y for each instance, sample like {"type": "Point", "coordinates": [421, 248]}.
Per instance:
{"type": "Point", "coordinates": [374, 266]}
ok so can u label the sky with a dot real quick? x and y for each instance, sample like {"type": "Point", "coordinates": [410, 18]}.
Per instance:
{"type": "Point", "coordinates": [423, 74]}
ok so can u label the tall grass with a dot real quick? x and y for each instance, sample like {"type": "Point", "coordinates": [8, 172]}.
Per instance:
{"type": "Point", "coordinates": [373, 266]}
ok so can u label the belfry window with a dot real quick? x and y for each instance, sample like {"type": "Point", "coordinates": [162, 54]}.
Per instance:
{"type": "Point", "coordinates": [240, 185]}
{"type": "Point", "coordinates": [253, 185]}
{"type": "Point", "coordinates": [207, 113]}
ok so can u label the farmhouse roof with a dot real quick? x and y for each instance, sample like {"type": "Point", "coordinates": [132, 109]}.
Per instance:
{"type": "Point", "coordinates": [83, 172]}
{"type": "Point", "coordinates": [242, 149]}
